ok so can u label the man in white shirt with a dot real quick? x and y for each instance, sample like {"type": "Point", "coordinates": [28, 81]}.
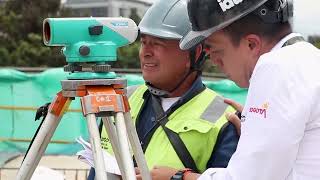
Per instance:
{"type": "Point", "coordinates": [252, 42]}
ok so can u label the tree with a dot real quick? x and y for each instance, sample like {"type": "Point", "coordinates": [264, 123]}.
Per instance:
{"type": "Point", "coordinates": [134, 16]}
{"type": "Point", "coordinates": [315, 40]}
{"type": "Point", "coordinates": [128, 56]}
{"type": "Point", "coordinates": [21, 33]}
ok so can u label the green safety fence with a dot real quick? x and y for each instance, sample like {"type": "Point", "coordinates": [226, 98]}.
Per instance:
{"type": "Point", "coordinates": [21, 94]}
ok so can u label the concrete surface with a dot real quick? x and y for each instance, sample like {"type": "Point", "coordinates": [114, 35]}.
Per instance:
{"type": "Point", "coordinates": [69, 166]}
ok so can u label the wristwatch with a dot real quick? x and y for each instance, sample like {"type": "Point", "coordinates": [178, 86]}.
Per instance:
{"type": "Point", "coordinates": [179, 175]}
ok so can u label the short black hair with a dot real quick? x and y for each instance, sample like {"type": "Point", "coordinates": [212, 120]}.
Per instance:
{"type": "Point", "coordinates": [253, 24]}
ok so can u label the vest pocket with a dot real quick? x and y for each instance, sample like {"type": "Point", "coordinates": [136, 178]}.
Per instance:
{"type": "Point", "coordinates": [190, 125]}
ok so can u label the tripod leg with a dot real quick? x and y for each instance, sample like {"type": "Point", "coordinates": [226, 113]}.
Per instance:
{"type": "Point", "coordinates": [136, 147]}
{"type": "Point", "coordinates": [114, 141]}
{"type": "Point", "coordinates": [43, 138]}
{"type": "Point", "coordinates": [124, 147]}
{"type": "Point", "coordinates": [40, 144]}
{"type": "Point", "coordinates": [96, 147]}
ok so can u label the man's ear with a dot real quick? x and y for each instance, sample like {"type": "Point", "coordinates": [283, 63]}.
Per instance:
{"type": "Point", "coordinates": [199, 49]}
{"type": "Point", "coordinates": [253, 43]}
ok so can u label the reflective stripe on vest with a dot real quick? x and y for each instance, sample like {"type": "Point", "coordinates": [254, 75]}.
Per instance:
{"type": "Point", "coordinates": [131, 90]}
{"type": "Point", "coordinates": [215, 110]}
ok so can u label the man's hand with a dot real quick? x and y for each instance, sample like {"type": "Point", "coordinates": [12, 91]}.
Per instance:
{"type": "Point", "coordinates": [138, 173]}
{"type": "Point", "coordinates": [191, 176]}
{"type": "Point", "coordinates": [234, 104]}
{"type": "Point", "coordinates": [233, 118]}
{"type": "Point", "coordinates": [159, 173]}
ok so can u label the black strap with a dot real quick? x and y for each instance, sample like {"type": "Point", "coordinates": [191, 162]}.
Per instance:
{"type": "Point", "coordinates": [172, 109]}
{"type": "Point", "coordinates": [173, 137]}
{"type": "Point", "coordinates": [41, 112]}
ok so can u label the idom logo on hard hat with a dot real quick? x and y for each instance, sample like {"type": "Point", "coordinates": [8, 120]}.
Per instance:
{"type": "Point", "coordinates": [228, 4]}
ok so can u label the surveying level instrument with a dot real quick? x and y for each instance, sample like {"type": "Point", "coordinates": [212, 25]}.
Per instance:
{"type": "Point", "coordinates": [88, 44]}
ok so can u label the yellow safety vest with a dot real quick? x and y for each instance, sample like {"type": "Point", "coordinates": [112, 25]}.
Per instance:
{"type": "Point", "coordinates": [198, 123]}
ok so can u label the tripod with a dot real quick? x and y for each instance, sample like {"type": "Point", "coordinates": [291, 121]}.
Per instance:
{"type": "Point", "coordinates": [104, 98]}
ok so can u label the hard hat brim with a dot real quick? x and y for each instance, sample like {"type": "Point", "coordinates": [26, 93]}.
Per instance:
{"type": "Point", "coordinates": [206, 20]}
{"type": "Point", "coordinates": [193, 38]}
{"type": "Point", "coordinates": [160, 33]}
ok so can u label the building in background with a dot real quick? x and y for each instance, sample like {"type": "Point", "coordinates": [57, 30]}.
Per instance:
{"type": "Point", "coordinates": [2, 2]}
{"type": "Point", "coordinates": [111, 8]}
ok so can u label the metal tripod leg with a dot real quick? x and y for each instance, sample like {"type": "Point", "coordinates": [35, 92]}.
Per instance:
{"type": "Point", "coordinates": [124, 147]}
{"type": "Point", "coordinates": [43, 138]}
{"type": "Point", "coordinates": [136, 147]}
{"type": "Point", "coordinates": [134, 142]}
{"type": "Point", "coordinates": [97, 97]}
{"type": "Point", "coordinates": [111, 131]}
{"type": "Point", "coordinates": [96, 147]}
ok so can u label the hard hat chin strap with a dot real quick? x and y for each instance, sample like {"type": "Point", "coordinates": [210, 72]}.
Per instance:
{"type": "Point", "coordinates": [156, 91]}
{"type": "Point", "coordinates": [195, 65]}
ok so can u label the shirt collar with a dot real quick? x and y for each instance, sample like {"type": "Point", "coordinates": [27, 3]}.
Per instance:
{"type": "Point", "coordinates": [196, 86]}
{"type": "Point", "coordinates": [195, 89]}
{"type": "Point", "coordinates": [284, 40]}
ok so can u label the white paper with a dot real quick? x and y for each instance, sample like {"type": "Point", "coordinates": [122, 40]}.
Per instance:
{"type": "Point", "coordinates": [86, 156]}
{"type": "Point", "coordinates": [42, 172]}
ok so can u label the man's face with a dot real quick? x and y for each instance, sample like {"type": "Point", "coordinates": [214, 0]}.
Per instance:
{"type": "Point", "coordinates": [233, 60]}
{"type": "Point", "coordinates": [162, 62]}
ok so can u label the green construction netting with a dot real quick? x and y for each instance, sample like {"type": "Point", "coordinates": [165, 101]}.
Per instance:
{"type": "Point", "coordinates": [22, 93]}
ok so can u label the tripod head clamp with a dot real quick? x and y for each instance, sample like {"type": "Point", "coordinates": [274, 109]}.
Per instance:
{"type": "Point", "coordinates": [92, 41]}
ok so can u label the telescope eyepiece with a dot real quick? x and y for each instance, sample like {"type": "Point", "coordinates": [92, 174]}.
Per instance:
{"type": "Point", "coordinates": [46, 32]}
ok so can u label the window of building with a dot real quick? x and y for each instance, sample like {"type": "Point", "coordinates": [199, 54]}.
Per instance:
{"type": "Point", "coordinates": [99, 11]}
{"type": "Point", "coordinates": [122, 12]}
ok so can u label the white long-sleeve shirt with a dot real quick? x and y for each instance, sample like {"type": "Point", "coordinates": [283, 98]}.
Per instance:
{"type": "Point", "coordinates": [280, 129]}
